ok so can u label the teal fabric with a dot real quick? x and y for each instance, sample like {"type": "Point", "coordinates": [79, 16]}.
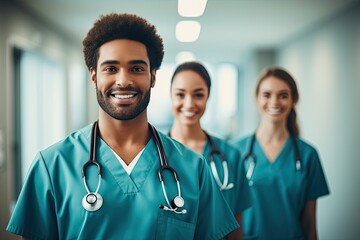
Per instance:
{"type": "Point", "coordinates": [239, 197]}
{"type": "Point", "coordinates": [280, 192]}
{"type": "Point", "coordinates": [49, 206]}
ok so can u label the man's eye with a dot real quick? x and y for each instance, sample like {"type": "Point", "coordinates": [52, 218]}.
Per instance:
{"type": "Point", "coordinates": [109, 69]}
{"type": "Point", "coordinates": [137, 69]}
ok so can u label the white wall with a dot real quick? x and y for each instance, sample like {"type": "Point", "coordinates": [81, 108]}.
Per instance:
{"type": "Point", "coordinates": [326, 64]}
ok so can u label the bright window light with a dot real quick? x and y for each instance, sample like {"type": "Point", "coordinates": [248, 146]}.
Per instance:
{"type": "Point", "coordinates": [188, 31]}
{"type": "Point", "coordinates": [191, 8]}
{"type": "Point", "coordinates": [227, 77]}
{"type": "Point", "coordinates": [185, 57]}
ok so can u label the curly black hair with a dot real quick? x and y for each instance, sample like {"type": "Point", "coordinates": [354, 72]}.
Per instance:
{"type": "Point", "coordinates": [123, 26]}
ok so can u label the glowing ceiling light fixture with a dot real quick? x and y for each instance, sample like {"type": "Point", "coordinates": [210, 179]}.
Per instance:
{"type": "Point", "coordinates": [188, 31]}
{"type": "Point", "coordinates": [191, 8]}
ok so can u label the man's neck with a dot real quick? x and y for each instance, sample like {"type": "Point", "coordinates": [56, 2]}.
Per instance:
{"type": "Point", "coordinates": [126, 138]}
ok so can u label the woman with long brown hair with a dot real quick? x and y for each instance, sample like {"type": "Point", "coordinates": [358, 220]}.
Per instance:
{"type": "Point", "coordinates": [284, 172]}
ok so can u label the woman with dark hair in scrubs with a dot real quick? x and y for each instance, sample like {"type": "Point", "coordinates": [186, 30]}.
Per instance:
{"type": "Point", "coordinates": [284, 171]}
{"type": "Point", "coordinates": [190, 90]}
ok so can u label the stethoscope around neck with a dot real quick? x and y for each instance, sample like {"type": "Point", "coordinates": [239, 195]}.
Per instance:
{"type": "Point", "coordinates": [93, 201]}
{"type": "Point", "coordinates": [250, 155]}
{"type": "Point", "coordinates": [224, 185]}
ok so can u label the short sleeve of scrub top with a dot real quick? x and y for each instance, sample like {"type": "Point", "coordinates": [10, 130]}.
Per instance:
{"type": "Point", "coordinates": [280, 192]}
{"type": "Point", "coordinates": [238, 197]}
{"type": "Point", "coordinates": [49, 205]}
{"type": "Point", "coordinates": [34, 216]}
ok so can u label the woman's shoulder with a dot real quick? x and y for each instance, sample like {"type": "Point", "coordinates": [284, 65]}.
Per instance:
{"type": "Point", "coordinates": [176, 148]}
{"type": "Point", "coordinates": [242, 142]}
{"type": "Point", "coordinates": [307, 151]}
{"type": "Point", "coordinates": [221, 141]}
{"type": "Point", "coordinates": [305, 145]}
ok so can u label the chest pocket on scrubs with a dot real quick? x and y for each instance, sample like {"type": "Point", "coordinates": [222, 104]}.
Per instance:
{"type": "Point", "coordinates": [168, 227]}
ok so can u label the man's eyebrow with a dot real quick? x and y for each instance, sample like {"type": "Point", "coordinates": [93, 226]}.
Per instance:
{"type": "Point", "coordinates": [138, 62]}
{"type": "Point", "coordinates": [107, 62]}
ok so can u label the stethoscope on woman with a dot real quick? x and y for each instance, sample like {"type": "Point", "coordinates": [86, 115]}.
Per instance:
{"type": "Point", "coordinates": [225, 185]}
{"type": "Point", "coordinates": [252, 157]}
{"type": "Point", "coordinates": [93, 201]}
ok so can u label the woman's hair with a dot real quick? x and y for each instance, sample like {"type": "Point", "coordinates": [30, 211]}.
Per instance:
{"type": "Point", "coordinates": [196, 67]}
{"type": "Point", "coordinates": [283, 75]}
{"type": "Point", "coordinates": [123, 26]}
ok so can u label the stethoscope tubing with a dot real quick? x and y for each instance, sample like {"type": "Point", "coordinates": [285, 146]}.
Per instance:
{"type": "Point", "coordinates": [93, 201]}
{"type": "Point", "coordinates": [252, 164]}
{"type": "Point", "coordinates": [223, 185]}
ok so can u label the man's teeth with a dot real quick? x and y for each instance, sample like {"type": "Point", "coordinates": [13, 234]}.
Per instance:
{"type": "Point", "coordinates": [123, 96]}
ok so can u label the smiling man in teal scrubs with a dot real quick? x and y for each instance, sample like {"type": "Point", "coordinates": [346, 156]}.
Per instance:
{"type": "Point", "coordinates": [122, 52]}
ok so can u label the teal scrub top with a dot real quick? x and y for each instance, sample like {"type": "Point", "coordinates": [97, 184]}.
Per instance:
{"type": "Point", "coordinates": [280, 192]}
{"type": "Point", "coordinates": [49, 205]}
{"type": "Point", "coordinates": [238, 197]}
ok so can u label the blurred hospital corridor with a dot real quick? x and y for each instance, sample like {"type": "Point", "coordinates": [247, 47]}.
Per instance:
{"type": "Point", "coordinates": [46, 90]}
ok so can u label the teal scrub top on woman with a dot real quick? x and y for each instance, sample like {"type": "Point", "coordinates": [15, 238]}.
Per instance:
{"type": "Point", "coordinates": [280, 192]}
{"type": "Point", "coordinates": [238, 197]}
{"type": "Point", "coordinates": [49, 205]}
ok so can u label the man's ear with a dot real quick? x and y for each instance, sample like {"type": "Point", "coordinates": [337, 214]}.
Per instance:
{"type": "Point", "coordinates": [93, 77]}
{"type": "Point", "coordinates": [153, 78]}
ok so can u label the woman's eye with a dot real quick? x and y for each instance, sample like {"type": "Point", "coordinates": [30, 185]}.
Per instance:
{"type": "Point", "coordinates": [266, 95]}
{"type": "Point", "coordinates": [284, 96]}
{"type": "Point", "coordinates": [199, 96]}
{"type": "Point", "coordinates": [179, 95]}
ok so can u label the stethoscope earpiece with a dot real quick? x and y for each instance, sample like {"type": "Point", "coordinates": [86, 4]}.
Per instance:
{"type": "Point", "coordinates": [176, 203]}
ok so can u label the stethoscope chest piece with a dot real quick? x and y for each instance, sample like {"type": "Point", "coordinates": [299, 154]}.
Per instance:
{"type": "Point", "coordinates": [178, 202]}
{"type": "Point", "coordinates": [92, 202]}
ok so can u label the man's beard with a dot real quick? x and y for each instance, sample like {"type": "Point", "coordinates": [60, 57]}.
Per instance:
{"type": "Point", "coordinates": [130, 112]}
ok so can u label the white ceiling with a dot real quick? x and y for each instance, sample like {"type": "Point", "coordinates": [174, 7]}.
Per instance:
{"type": "Point", "coordinates": [230, 28]}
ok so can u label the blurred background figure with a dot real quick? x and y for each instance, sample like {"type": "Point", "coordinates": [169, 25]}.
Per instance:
{"type": "Point", "coordinates": [284, 172]}
{"type": "Point", "coordinates": [190, 91]}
